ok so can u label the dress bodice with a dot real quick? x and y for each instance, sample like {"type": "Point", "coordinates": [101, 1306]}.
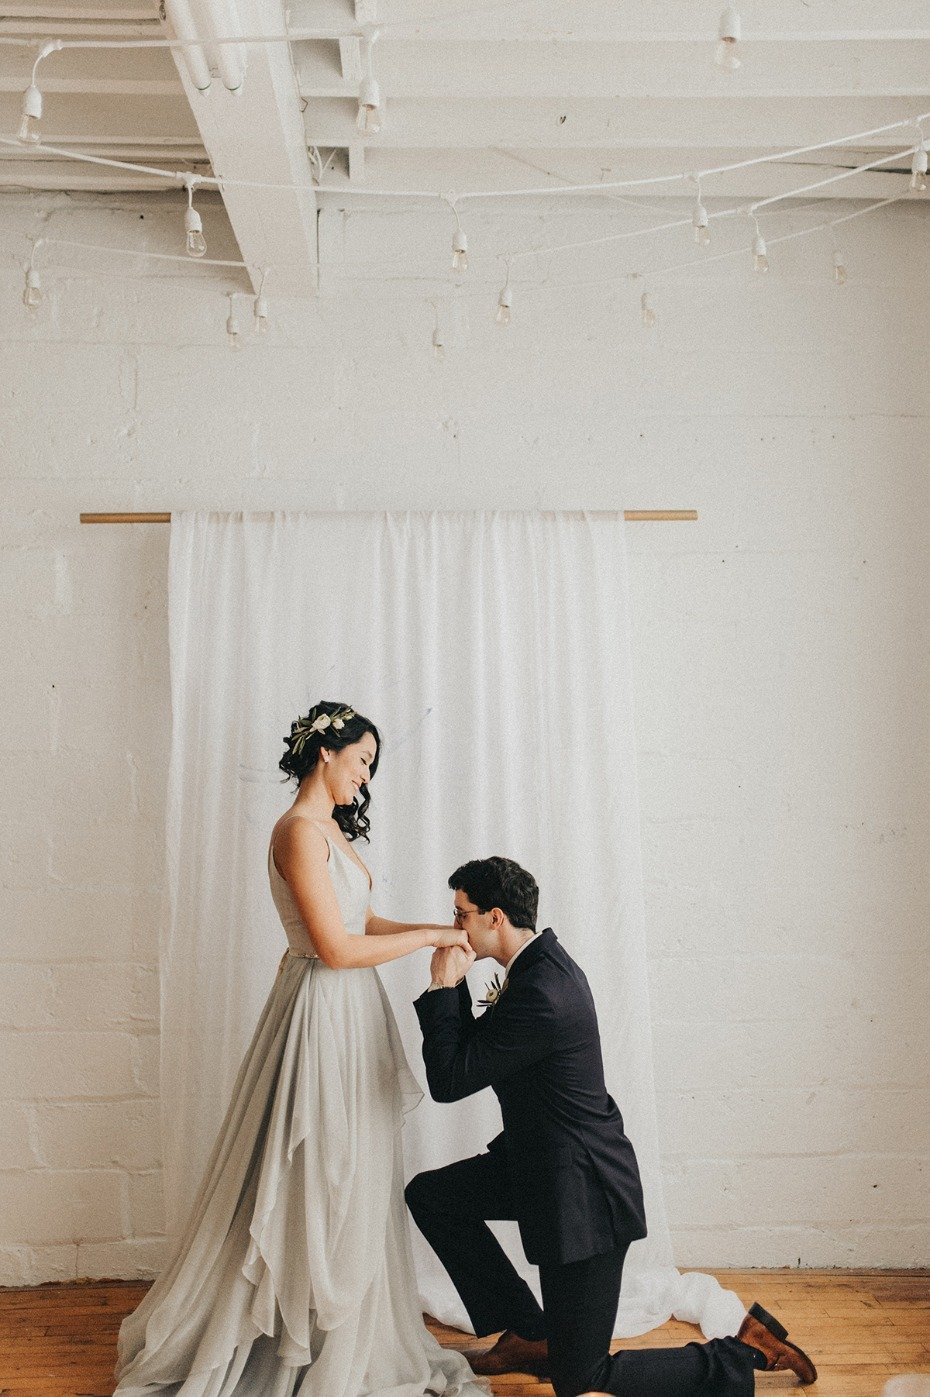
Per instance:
{"type": "Point", "coordinates": [352, 891]}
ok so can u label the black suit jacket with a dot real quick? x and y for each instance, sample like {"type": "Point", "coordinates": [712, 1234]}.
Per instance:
{"type": "Point", "coordinates": [572, 1170]}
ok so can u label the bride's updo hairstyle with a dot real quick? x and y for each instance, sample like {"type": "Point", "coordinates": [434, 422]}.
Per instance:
{"type": "Point", "coordinates": [333, 726]}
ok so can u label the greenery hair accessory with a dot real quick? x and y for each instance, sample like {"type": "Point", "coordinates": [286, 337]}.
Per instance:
{"type": "Point", "coordinates": [317, 721]}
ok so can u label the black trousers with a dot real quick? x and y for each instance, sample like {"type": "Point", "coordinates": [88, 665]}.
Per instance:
{"type": "Point", "coordinates": [452, 1207]}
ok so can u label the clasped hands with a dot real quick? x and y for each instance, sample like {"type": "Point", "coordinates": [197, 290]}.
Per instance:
{"type": "Point", "coordinates": [450, 964]}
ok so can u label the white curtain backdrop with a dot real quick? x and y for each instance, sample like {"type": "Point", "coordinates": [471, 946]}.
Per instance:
{"type": "Point", "coordinates": [492, 652]}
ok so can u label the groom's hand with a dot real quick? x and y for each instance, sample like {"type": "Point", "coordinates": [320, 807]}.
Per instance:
{"type": "Point", "coordinates": [449, 965]}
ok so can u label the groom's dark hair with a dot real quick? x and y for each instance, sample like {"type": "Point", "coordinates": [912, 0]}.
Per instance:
{"type": "Point", "coordinates": [497, 882]}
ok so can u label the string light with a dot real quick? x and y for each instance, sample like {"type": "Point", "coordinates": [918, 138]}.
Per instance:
{"type": "Point", "coordinates": [439, 343]}
{"type": "Point", "coordinates": [602, 186]}
{"type": "Point", "coordinates": [369, 119]}
{"type": "Point", "coordinates": [459, 240]}
{"type": "Point", "coordinates": [919, 162]}
{"type": "Point", "coordinates": [260, 307]}
{"type": "Point", "coordinates": [646, 311]}
{"type": "Point", "coordinates": [233, 333]}
{"type": "Point", "coordinates": [699, 220]}
{"type": "Point", "coordinates": [728, 37]}
{"type": "Point", "coordinates": [32, 114]}
{"type": "Point", "coordinates": [839, 260]}
{"type": "Point", "coordinates": [193, 225]}
{"type": "Point", "coordinates": [29, 132]}
{"type": "Point", "coordinates": [32, 291]}
{"type": "Point", "coordinates": [760, 259]}
{"type": "Point", "coordinates": [459, 251]}
{"type": "Point", "coordinates": [759, 248]}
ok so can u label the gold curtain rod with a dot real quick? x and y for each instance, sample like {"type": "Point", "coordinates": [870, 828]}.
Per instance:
{"type": "Point", "coordinates": [635, 516]}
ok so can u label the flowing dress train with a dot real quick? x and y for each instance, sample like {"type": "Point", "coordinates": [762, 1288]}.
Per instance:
{"type": "Point", "coordinates": [294, 1274]}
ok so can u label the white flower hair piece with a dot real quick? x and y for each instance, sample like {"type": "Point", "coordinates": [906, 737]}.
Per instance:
{"type": "Point", "coordinates": [305, 728]}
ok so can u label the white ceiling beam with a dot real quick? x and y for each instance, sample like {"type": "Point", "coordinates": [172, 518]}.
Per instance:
{"type": "Point", "coordinates": [619, 71]}
{"type": "Point", "coordinates": [86, 118]}
{"type": "Point", "coordinates": [72, 10]}
{"type": "Point", "coordinates": [79, 29]}
{"type": "Point", "coordinates": [440, 170]}
{"type": "Point", "coordinates": [454, 170]}
{"type": "Point", "coordinates": [257, 135]}
{"type": "Point", "coordinates": [55, 174]}
{"type": "Point", "coordinates": [109, 72]}
{"type": "Point", "coordinates": [357, 168]}
{"type": "Point", "coordinates": [510, 123]}
{"type": "Point", "coordinates": [650, 21]}
{"type": "Point", "coordinates": [350, 60]}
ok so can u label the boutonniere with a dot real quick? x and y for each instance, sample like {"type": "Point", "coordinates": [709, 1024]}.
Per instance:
{"type": "Point", "coordinates": [493, 991]}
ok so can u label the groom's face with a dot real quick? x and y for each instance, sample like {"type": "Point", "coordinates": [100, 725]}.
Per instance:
{"type": "Point", "coordinates": [478, 926]}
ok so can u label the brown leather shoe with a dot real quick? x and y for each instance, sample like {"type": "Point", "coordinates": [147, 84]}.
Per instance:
{"type": "Point", "coordinates": [511, 1354]}
{"type": "Point", "coordinates": [763, 1332]}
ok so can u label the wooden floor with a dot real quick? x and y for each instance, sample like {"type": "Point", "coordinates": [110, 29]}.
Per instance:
{"type": "Point", "coordinates": [860, 1327]}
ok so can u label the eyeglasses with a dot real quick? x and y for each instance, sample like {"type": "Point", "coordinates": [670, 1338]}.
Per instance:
{"type": "Point", "coordinates": [460, 913]}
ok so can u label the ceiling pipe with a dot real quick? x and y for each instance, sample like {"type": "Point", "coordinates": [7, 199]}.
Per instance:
{"type": "Point", "coordinates": [194, 56]}
{"type": "Point", "coordinates": [220, 19]}
{"type": "Point", "coordinates": [196, 22]}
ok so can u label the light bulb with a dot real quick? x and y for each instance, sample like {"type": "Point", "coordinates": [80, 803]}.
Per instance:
{"type": "Point", "coordinates": [193, 227]}
{"type": "Point", "coordinates": [839, 268]}
{"type": "Point", "coordinates": [459, 252]}
{"type": "Point", "coordinates": [728, 37]}
{"type": "Point", "coordinates": [233, 336]}
{"type": "Point", "coordinates": [368, 120]}
{"type": "Point", "coordinates": [29, 132]}
{"type": "Point", "coordinates": [439, 349]}
{"type": "Point", "coordinates": [760, 259]}
{"type": "Point", "coordinates": [32, 291]}
{"type": "Point", "coordinates": [504, 302]}
{"type": "Point", "coordinates": [699, 223]}
{"type": "Point", "coordinates": [646, 310]}
{"type": "Point", "coordinates": [261, 314]}
{"type": "Point", "coordinates": [919, 168]}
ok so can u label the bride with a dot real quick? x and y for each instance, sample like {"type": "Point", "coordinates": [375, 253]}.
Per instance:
{"type": "Point", "coordinates": [294, 1274]}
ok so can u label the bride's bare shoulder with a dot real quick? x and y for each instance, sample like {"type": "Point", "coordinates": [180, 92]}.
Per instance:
{"type": "Point", "coordinates": [296, 836]}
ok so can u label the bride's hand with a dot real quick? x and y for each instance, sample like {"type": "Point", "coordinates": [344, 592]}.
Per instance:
{"type": "Point", "coordinates": [443, 936]}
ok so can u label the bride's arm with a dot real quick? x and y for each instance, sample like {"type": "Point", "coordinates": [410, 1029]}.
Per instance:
{"type": "Point", "coordinates": [380, 926]}
{"type": "Point", "coordinates": [300, 853]}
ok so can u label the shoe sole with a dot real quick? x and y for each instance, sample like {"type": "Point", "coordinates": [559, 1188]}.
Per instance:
{"type": "Point", "coordinates": [770, 1322]}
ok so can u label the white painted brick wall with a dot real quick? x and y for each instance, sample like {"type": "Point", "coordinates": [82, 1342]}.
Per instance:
{"type": "Point", "coordinates": [782, 663]}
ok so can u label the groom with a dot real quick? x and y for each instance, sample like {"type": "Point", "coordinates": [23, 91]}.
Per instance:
{"type": "Point", "coordinates": [562, 1167]}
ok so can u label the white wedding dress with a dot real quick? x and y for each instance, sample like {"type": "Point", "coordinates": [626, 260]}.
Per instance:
{"type": "Point", "coordinates": [294, 1275]}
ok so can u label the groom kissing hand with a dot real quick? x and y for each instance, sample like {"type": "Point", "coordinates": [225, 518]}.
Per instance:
{"type": "Point", "coordinates": [449, 966]}
{"type": "Point", "coordinates": [562, 1167]}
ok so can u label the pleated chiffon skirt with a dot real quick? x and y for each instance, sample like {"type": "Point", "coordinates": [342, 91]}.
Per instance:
{"type": "Point", "coordinates": [294, 1274]}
